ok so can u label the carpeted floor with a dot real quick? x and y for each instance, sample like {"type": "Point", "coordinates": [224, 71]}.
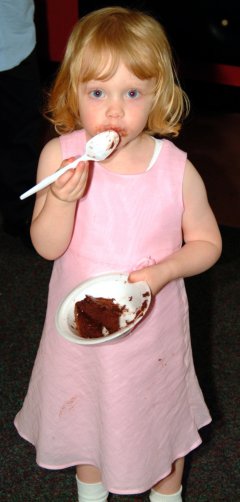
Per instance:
{"type": "Point", "coordinates": [212, 470]}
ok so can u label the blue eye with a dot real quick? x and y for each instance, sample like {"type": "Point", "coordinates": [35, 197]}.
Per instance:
{"type": "Point", "coordinates": [133, 93]}
{"type": "Point", "coordinates": [97, 93]}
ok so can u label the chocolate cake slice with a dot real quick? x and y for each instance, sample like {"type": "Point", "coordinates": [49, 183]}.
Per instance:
{"type": "Point", "coordinates": [96, 317]}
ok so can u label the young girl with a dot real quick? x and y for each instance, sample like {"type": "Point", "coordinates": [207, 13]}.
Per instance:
{"type": "Point", "coordinates": [125, 413]}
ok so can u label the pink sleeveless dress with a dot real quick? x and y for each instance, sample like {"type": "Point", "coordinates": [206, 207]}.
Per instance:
{"type": "Point", "coordinates": [129, 408]}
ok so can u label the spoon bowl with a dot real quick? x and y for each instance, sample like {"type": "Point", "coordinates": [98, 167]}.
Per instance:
{"type": "Point", "coordinates": [98, 148]}
{"type": "Point", "coordinates": [102, 145]}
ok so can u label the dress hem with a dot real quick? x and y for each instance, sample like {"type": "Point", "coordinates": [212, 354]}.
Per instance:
{"type": "Point", "coordinates": [116, 490]}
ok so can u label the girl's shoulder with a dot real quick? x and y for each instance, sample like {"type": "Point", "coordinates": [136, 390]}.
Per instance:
{"type": "Point", "coordinates": [193, 181]}
{"type": "Point", "coordinates": [50, 157]}
{"type": "Point", "coordinates": [51, 148]}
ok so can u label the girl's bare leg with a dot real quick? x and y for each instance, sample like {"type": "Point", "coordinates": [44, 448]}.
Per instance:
{"type": "Point", "coordinates": [167, 486]}
{"type": "Point", "coordinates": [172, 483]}
{"type": "Point", "coordinates": [89, 484]}
{"type": "Point", "coordinates": [88, 474]}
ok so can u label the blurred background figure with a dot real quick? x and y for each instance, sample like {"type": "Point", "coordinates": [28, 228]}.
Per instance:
{"type": "Point", "coordinates": [20, 92]}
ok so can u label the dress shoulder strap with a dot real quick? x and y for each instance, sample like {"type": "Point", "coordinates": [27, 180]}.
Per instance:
{"type": "Point", "coordinates": [73, 144]}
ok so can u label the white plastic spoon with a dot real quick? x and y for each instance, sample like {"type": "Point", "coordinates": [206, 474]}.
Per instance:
{"type": "Point", "coordinates": [98, 148]}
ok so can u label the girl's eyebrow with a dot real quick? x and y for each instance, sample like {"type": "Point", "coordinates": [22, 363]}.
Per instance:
{"type": "Point", "coordinates": [128, 85]}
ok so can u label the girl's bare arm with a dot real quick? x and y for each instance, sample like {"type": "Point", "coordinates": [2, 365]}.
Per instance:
{"type": "Point", "coordinates": [55, 206]}
{"type": "Point", "coordinates": [202, 239]}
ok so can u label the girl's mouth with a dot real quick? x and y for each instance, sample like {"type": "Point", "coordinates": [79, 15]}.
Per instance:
{"type": "Point", "coordinates": [109, 127]}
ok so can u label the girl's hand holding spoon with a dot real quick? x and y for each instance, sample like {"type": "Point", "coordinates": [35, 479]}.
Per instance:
{"type": "Point", "coordinates": [71, 185]}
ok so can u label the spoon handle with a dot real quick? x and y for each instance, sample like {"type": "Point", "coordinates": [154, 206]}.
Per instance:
{"type": "Point", "coordinates": [53, 177]}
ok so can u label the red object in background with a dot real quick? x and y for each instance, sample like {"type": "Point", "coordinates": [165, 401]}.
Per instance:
{"type": "Point", "coordinates": [61, 17]}
{"type": "Point", "coordinates": [228, 75]}
{"type": "Point", "coordinates": [216, 73]}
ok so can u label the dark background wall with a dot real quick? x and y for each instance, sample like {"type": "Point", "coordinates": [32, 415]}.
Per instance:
{"type": "Point", "coordinates": [206, 30]}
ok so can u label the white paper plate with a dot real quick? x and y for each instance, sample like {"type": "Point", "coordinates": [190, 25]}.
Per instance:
{"type": "Point", "coordinates": [116, 286]}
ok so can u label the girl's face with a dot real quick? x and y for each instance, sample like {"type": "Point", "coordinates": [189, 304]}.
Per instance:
{"type": "Point", "coordinates": [123, 103]}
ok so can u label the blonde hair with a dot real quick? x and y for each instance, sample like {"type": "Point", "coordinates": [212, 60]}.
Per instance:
{"type": "Point", "coordinates": [104, 37]}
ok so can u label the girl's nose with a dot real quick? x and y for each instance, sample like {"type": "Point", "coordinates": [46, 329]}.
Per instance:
{"type": "Point", "coordinates": [115, 109]}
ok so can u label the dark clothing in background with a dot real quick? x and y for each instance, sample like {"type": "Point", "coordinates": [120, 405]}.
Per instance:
{"type": "Point", "coordinates": [19, 141]}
